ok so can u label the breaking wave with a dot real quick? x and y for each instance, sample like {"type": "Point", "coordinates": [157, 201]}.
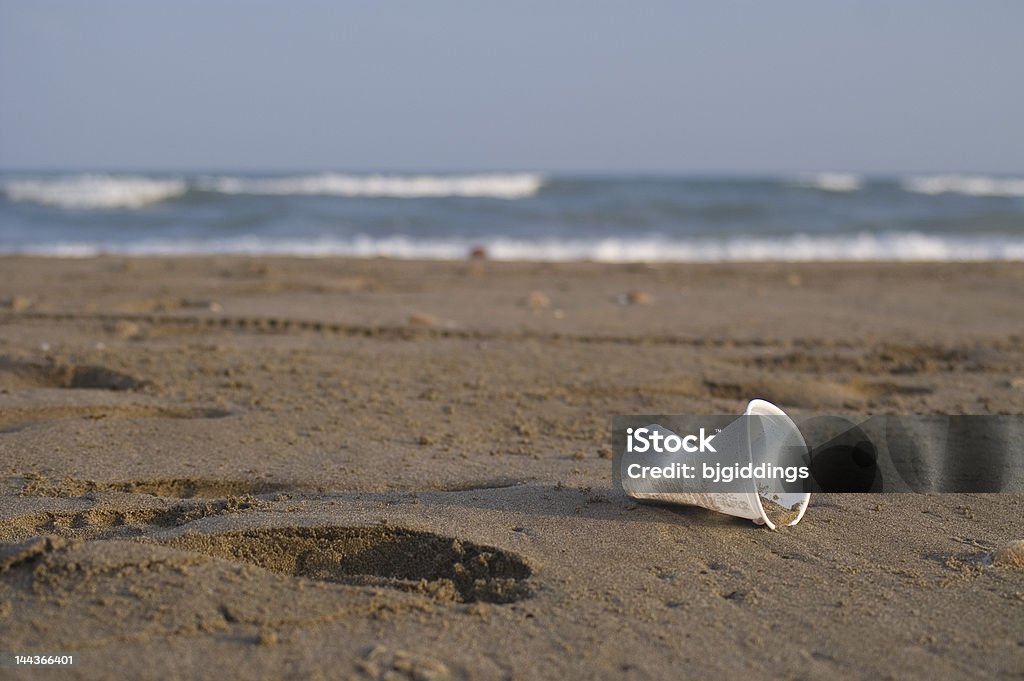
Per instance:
{"type": "Point", "coordinates": [972, 185]}
{"type": "Point", "coordinates": [498, 186]}
{"type": "Point", "coordinates": [831, 182]}
{"type": "Point", "coordinates": [95, 191]}
{"type": "Point", "coordinates": [894, 246]}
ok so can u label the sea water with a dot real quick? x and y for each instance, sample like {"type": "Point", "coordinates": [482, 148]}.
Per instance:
{"type": "Point", "coordinates": [516, 215]}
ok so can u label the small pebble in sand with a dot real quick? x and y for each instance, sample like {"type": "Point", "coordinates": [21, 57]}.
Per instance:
{"type": "Point", "coordinates": [537, 300]}
{"type": "Point", "coordinates": [637, 297]}
{"type": "Point", "coordinates": [19, 303]}
{"type": "Point", "coordinates": [423, 319]}
{"type": "Point", "coordinates": [1010, 554]}
{"type": "Point", "coordinates": [127, 329]}
{"type": "Point", "coordinates": [634, 297]}
{"type": "Point", "coordinates": [380, 662]}
{"type": "Point", "coordinates": [211, 305]}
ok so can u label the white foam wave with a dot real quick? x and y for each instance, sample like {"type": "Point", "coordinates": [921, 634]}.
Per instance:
{"type": "Point", "coordinates": [972, 185]}
{"type": "Point", "coordinates": [831, 182]}
{"type": "Point", "coordinates": [489, 185]}
{"type": "Point", "coordinates": [895, 246]}
{"type": "Point", "coordinates": [95, 191]}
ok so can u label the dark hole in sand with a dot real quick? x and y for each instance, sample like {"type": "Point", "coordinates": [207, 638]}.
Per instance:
{"type": "Point", "coordinates": [101, 378]}
{"type": "Point", "coordinates": [442, 567]}
{"type": "Point", "coordinates": [17, 374]}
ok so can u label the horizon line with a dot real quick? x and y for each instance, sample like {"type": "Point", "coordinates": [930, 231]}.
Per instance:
{"type": "Point", "coordinates": [408, 170]}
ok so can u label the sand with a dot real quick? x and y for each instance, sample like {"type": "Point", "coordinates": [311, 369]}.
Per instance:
{"type": "Point", "coordinates": [250, 469]}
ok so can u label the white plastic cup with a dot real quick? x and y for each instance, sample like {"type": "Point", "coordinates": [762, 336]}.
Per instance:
{"type": "Point", "coordinates": [762, 506]}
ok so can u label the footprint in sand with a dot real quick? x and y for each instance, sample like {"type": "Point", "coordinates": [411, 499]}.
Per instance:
{"type": "Point", "coordinates": [445, 568]}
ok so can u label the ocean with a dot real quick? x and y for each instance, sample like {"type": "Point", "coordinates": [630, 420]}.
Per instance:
{"type": "Point", "coordinates": [517, 216]}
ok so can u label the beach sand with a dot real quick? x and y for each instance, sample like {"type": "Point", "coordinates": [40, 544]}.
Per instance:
{"type": "Point", "coordinates": [250, 468]}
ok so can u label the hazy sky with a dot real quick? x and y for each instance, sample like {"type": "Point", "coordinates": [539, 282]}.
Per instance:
{"type": "Point", "coordinates": [662, 86]}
